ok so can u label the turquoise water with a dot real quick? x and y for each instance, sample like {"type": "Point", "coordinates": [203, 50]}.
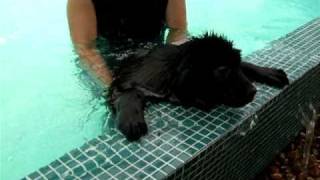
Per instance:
{"type": "Point", "coordinates": [46, 111]}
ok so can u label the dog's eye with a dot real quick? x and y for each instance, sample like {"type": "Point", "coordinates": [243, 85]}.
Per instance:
{"type": "Point", "coordinates": [222, 72]}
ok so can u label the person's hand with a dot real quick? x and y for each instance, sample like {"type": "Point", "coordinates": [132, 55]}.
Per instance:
{"type": "Point", "coordinates": [92, 61]}
{"type": "Point", "coordinates": [179, 42]}
{"type": "Point", "coordinates": [103, 74]}
{"type": "Point", "coordinates": [177, 36]}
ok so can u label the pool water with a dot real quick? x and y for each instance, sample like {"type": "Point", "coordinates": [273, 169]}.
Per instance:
{"type": "Point", "coordinates": [45, 110]}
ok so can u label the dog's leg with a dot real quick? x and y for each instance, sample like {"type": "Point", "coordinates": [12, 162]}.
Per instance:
{"type": "Point", "coordinates": [269, 76]}
{"type": "Point", "coordinates": [129, 111]}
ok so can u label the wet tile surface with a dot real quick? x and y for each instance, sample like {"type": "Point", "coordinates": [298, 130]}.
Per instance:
{"type": "Point", "coordinates": [184, 143]}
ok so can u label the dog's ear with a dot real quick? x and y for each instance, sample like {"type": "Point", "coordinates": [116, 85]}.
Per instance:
{"type": "Point", "coordinates": [222, 73]}
{"type": "Point", "coordinates": [184, 75]}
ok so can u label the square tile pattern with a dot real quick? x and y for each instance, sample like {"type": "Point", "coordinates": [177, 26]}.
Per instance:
{"type": "Point", "coordinates": [223, 144]}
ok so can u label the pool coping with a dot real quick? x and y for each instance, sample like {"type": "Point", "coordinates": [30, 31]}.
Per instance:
{"type": "Point", "coordinates": [184, 143]}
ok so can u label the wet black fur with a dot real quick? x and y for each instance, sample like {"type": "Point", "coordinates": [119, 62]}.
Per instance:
{"type": "Point", "coordinates": [205, 72]}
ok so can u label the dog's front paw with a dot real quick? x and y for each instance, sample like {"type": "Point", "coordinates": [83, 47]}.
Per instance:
{"type": "Point", "coordinates": [276, 77]}
{"type": "Point", "coordinates": [133, 127]}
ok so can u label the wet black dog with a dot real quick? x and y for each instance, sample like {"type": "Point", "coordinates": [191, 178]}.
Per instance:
{"type": "Point", "coordinates": [204, 72]}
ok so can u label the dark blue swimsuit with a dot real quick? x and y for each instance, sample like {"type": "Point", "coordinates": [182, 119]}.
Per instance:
{"type": "Point", "coordinates": [136, 20]}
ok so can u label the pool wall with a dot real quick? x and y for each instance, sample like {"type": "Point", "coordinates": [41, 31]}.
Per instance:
{"type": "Point", "coordinates": [223, 144]}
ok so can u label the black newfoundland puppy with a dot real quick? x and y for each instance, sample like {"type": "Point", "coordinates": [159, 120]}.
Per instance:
{"type": "Point", "coordinates": [204, 72]}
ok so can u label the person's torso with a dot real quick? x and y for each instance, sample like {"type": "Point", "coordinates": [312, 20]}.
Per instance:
{"type": "Point", "coordinates": [121, 21]}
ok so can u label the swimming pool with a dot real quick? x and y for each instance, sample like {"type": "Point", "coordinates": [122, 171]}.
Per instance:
{"type": "Point", "coordinates": [45, 110]}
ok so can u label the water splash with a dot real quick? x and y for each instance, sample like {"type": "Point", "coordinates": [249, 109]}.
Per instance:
{"type": "Point", "coordinates": [243, 130]}
{"type": "Point", "coordinates": [253, 121]}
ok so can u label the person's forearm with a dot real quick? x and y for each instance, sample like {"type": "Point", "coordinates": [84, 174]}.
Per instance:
{"type": "Point", "coordinates": [92, 61]}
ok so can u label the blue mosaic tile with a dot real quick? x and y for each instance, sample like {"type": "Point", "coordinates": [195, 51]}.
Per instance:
{"type": "Point", "coordinates": [105, 176]}
{"type": "Point", "coordinates": [96, 171]}
{"type": "Point", "coordinates": [140, 175]}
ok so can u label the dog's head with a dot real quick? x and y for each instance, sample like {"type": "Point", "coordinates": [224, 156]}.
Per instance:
{"type": "Point", "coordinates": [213, 65]}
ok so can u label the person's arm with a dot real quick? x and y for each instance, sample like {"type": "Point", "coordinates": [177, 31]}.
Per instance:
{"type": "Point", "coordinates": [83, 31]}
{"type": "Point", "coordinates": [176, 19]}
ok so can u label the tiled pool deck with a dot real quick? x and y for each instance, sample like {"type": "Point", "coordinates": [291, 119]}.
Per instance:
{"type": "Point", "coordinates": [223, 144]}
